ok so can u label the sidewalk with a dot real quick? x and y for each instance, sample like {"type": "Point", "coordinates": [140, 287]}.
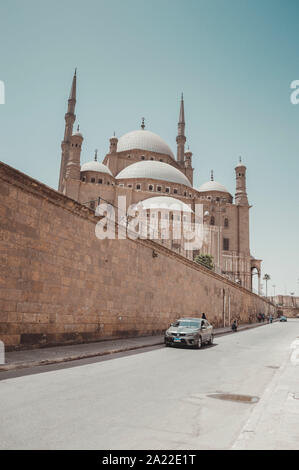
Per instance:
{"type": "Point", "coordinates": [58, 354]}
{"type": "Point", "coordinates": [273, 423]}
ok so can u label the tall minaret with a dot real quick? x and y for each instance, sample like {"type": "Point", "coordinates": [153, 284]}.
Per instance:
{"type": "Point", "coordinates": [181, 139]}
{"type": "Point", "coordinates": [70, 118]}
{"type": "Point", "coordinates": [242, 226]}
{"type": "Point", "coordinates": [241, 194]}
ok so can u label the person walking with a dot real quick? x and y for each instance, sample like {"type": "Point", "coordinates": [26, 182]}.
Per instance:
{"type": "Point", "coordinates": [203, 316]}
{"type": "Point", "coordinates": [234, 326]}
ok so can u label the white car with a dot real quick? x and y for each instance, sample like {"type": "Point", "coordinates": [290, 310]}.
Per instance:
{"type": "Point", "coordinates": [189, 332]}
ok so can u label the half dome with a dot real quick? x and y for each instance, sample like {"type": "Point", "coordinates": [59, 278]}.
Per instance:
{"type": "Point", "coordinates": [96, 166]}
{"type": "Point", "coordinates": [143, 140]}
{"type": "Point", "coordinates": [164, 203]}
{"type": "Point", "coordinates": [151, 169]}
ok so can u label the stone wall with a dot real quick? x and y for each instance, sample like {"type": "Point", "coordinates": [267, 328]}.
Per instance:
{"type": "Point", "coordinates": [60, 284]}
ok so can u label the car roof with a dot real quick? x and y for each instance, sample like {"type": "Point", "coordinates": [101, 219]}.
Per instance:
{"type": "Point", "coordinates": [189, 318]}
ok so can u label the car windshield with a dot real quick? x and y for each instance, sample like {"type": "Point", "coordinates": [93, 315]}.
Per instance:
{"type": "Point", "coordinates": [187, 324]}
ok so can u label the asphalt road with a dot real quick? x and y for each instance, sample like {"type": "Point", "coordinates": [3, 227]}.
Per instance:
{"type": "Point", "coordinates": [158, 399]}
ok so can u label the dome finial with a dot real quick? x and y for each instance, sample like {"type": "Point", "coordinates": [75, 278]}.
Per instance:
{"type": "Point", "coordinates": [142, 124]}
{"type": "Point", "coordinates": [96, 155]}
{"type": "Point", "coordinates": [240, 159]}
{"type": "Point", "coordinates": [212, 175]}
{"type": "Point", "coordinates": [78, 128]}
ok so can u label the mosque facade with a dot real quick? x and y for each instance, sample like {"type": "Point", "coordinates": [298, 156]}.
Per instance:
{"type": "Point", "coordinates": [141, 167]}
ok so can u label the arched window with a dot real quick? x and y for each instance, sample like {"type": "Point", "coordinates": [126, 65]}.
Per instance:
{"type": "Point", "coordinates": [226, 222]}
{"type": "Point", "coordinates": [212, 220]}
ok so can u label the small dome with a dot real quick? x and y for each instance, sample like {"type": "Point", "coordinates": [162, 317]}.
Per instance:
{"type": "Point", "coordinates": [151, 169]}
{"type": "Point", "coordinates": [213, 186]}
{"type": "Point", "coordinates": [143, 140]}
{"type": "Point", "coordinates": [164, 202]}
{"type": "Point", "coordinates": [96, 166]}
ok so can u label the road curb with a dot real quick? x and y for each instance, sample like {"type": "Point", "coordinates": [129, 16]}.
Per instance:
{"type": "Point", "coordinates": [77, 357]}
{"type": "Point", "coordinates": [45, 362]}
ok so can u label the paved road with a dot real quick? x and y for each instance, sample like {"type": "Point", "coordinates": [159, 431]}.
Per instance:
{"type": "Point", "coordinates": [158, 399]}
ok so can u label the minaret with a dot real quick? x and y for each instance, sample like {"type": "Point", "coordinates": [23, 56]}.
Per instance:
{"type": "Point", "coordinates": [113, 144]}
{"type": "Point", "coordinates": [181, 139]}
{"type": "Point", "coordinates": [242, 226]}
{"type": "Point", "coordinates": [241, 194]}
{"type": "Point", "coordinates": [71, 182]}
{"type": "Point", "coordinates": [188, 159]}
{"type": "Point", "coordinates": [70, 118]}
{"type": "Point", "coordinates": [73, 165]}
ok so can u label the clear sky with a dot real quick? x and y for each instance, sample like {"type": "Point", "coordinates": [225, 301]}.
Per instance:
{"type": "Point", "coordinates": [233, 59]}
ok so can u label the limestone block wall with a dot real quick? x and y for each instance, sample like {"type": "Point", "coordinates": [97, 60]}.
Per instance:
{"type": "Point", "coordinates": [60, 284]}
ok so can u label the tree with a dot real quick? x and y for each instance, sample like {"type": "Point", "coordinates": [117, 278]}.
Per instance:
{"type": "Point", "coordinates": [205, 260]}
{"type": "Point", "coordinates": [267, 278]}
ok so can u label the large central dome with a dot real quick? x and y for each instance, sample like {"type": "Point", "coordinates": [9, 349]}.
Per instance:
{"type": "Point", "coordinates": [143, 140]}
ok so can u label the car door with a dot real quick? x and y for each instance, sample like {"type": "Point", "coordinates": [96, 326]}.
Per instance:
{"type": "Point", "coordinates": [204, 331]}
{"type": "Point", "coordinates": [209, 330]}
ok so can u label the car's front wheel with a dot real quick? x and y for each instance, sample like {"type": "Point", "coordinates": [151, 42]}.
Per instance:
{"type": "Point", "coordinates": [211, 339]}
{"type": "Point", "coordinates": [199, 343]}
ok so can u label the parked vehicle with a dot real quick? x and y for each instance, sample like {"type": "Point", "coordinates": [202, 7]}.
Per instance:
{"type": "Point", "coordinates": [283, 318]}
{"type": "Point", "coordinates": [189, 332]}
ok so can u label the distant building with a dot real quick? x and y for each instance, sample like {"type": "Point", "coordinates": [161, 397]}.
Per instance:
{"type": "Point", "coordinates": [286, 304]}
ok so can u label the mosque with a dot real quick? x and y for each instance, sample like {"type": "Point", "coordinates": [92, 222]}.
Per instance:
{"type": "Point", "coordinates": [141, 166]}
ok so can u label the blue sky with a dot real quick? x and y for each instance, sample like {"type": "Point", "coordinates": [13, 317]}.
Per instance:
{"type": "Point", "coordinates": [233, 59]}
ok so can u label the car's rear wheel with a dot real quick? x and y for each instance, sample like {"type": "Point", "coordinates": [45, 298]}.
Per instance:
{"type": "Point", "coordinates": [211, 339]}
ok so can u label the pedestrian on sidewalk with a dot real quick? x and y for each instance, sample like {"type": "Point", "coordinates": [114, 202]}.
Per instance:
{"type": "Point", "coordinates": [203, 316]}
{"type": "Point", "coordinates": [234, 326]}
